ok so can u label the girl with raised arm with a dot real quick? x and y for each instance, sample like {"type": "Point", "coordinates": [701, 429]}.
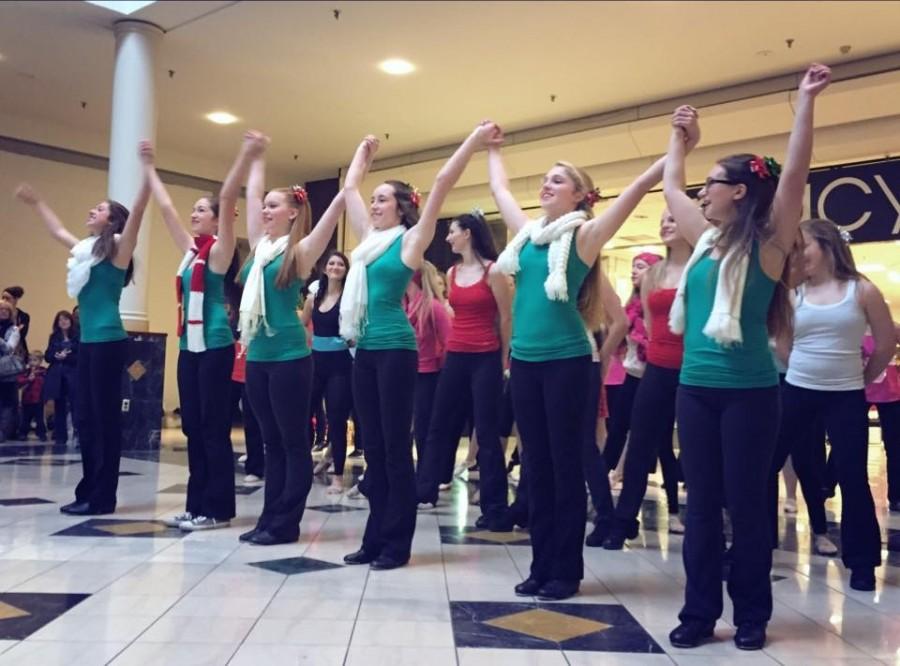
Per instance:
{"type": "Point", "coordinates": [393, 239]}
{"type": "Point", "coordinates": [206, 355]}
{"type": "Point", "coordinates": [729, 298]}
{"type": "Point", "coordinates": [99, 267]}
{"type": "Point", "coordinates": [825, 382]}
{"type": "Point", "coordinates": [480, 298]}
{"type": "Point", "coordinates": [551, 355]}
{"type": "Point", "coordinates": [279, 368]}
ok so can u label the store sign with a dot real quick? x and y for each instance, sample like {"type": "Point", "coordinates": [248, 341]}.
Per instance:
{"type": "Point", "coordinates": [863, 199]}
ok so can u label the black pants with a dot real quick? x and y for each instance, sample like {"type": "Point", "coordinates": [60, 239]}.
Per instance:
{"type": "Point", "coordinates": [33, 413]}
{"type": "Point", "coordinates": [279, 392]}
{"type": "Point", "coordinates": [9, 402]}
{"type": "Point", "coordinates": [204, 389]}
{"type": "Point", "coordinates": [62, 405]}
{"type": "Point", "coordinates": [253, 439]}
{"type": "Point", "coordinates": [595, 471]}
{"type": "Point", "coordinates": [809, 465]}
{"type": "Point", "coordinates": [550, 398]}
{"type": "Point", "coordinates": [476, 380]}
{"type": "Point", "coordinates": [332, 381]}
{"type": "Point", "coordinates": [652, 425]}
{"type": "Point", "coordinates": [846, 420]}
{"type": "Point", "coordinates": [727, 441]}
{"type": "Point", "coordinates": [383, 390]}
{"type": "Point", "coordinates": [99, 414]}
{"type": "Point", "coordinates": [621, 401]}
{"type": "Point", "coordinates": [423, 408]}
{"type": "Point", "coordinates": [889, 417]}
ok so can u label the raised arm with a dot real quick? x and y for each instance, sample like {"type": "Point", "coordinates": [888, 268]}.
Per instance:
{"type": "Point", "coordinates": [879, 317]}
{"type": "Point", "coordinates": [256, 185]}
{"type": "Point", "coordinates": [310, 249]}
{"type": "Point", "coordinates": [182, 237]}
{"type": "Point", "coordinates": [420, 236]}
{"type": "Point", "coordinates": [688, 216]}
{"type": "Point", "coordinates": [502, 291]}
{"type": "Point", "coordinates": [357, 212]}
{"type": "Point", "coordinates": [127, 240]}
{"type": "Point", "coordinates": [29, 196]}
{"type": "Point", "coordinates": [787, 207]}
{"type": "Point", "coordinates": [514, 217]}
{"type": "Point", "coordinates": [252, 149]}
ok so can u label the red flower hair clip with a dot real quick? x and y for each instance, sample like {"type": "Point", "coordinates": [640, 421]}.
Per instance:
{"type": "Point", "coordinates": [592, 197]}
{"type": "Point", "coordinates": [415, 196]}
{"type": "Point", "coordinates": [765, 167]}
{"type": "Point", "coordinates": [299, 193]}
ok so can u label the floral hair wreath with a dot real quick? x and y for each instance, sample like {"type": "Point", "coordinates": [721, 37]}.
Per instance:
{"type": "Point", "coordinates": [765, 167]}
{"type": "Point", "coordinates": [300, 195]}
{"type": "Point", "coordinates": [845, 235]}
{"type": "Point", "coordinates": [477, 212]}
{"type": "Point", "coordinates": [414, 195]}
{"type": "Point", "coordinates": [592, 197]}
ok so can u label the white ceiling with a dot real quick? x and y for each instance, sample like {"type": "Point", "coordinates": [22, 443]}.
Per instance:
{"type": "Point", "coordinates": [311, 81]}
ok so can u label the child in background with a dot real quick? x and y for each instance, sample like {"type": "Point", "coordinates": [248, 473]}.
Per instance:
{"type": "Point", "coordinates": [31, 381]}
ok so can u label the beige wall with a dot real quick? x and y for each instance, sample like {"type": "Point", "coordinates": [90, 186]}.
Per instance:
{"type": "Point", "coordinates": [29, 257]}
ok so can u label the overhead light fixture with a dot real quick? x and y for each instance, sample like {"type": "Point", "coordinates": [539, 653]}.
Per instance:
{"type": "Point", "coordinates": [221, 118]}
{"type": "Point", "coordinates": [870, 268]}
{"type": "Point", "coordinates": [125, 7]}
{"type": "Point", "coordinates": [396, 66]}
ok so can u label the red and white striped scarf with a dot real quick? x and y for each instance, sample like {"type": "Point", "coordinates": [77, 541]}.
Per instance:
{"type": "Point", "coordinates": [196, 258]}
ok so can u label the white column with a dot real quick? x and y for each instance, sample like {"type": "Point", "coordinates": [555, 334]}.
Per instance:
{"type": "Point", "coordinates": [133, 119]}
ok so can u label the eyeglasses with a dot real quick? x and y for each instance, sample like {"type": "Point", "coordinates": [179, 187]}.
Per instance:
{"type": "Point", "coordinates": [723, 181]}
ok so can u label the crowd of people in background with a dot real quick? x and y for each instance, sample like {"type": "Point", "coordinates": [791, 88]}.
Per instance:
{"type": "Point", "coordinates": [755, 335]}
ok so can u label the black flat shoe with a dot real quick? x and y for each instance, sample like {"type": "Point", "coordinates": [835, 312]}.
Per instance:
{"type": "Point", "coordinates": [266, 538]}
{"type": "Point", "coordinates": [750, 636]}
{"type": "Point", "coordinates": [557, 590]}
{"type": "Point", "coordinates": [863, 579]}
{"type": "Point", "coordinates": [385, 563]}
{"type": "Point", "coordinates": [75, 508]}
{"type": "Point", "coordinates": [690, 634]}
{"type": "Point", "coordinates": [598, 535]}
{"type": "Point", "coordinates": [528, 587]}
{"type": "Point", "coordinates": [247, 536]}
{"type": "Point", "coordinates": [359, 557]}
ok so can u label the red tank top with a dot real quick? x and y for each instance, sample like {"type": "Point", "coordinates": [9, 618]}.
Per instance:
{"type": "Point", "coordinates": [474, 316]}
{"type": "Point", "coordinates": [665, 349]}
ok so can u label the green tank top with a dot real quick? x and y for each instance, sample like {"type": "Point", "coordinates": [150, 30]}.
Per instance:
{"type": "Point", "coordinates": [387, 326]}
{"type": "Point", "coordinates": [216, 331]}
{"type": "Point", "coordinates": [706, 362]}
{"type": "Point", "coordinates": [286, 339]}
{"type": "Point", "coordinates": [98, 304]}
{"type": "Point", "coordinates": [545, 330]}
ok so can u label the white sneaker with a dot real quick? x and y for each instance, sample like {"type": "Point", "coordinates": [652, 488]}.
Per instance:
{"type": "Point", "coordinates": [252, 480]}
{"type": "Point", "coordinates": [203, 523]}
{"type": "Point", "coordinates": [243, 459]}
{"type": "Point", "coordinates": [426, 506]}
{"type": "Point", "coordinates": [354, 492]}
{"type": "Point", "coordinates": [675, 524]}
{"type": "Point", "coordinates": [461, 468]}
{"type": "Point", "coordinates": [824, 546]}
{"type": "Point", "coordinates": [444, 487]}
{"type": "Point", "coordinates": [175, 521]}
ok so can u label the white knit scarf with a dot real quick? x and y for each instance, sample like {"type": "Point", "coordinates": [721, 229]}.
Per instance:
{"type": "Point", "coordinates": [724, 323]}
{"type": "Point", "coordinates": [558, 234]}
{"type": "Point", "coordinates": [253, 300]}
{"type": "Point", "coordinates": [80, 262]}
{"type": "Point", "coordinates": [355, 300]}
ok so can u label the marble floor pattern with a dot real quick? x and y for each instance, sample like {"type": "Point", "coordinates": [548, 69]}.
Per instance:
{"type": "Point", "coordinates": [124, 589]}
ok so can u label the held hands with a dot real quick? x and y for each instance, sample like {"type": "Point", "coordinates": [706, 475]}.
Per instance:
{"type": "Point", "coordinates": [815, 80]}
{"type": "Point", "coordinates": [488, 134]}
{"type": "Point", "coordinates": [685, 119]}
{"type": "Point", "coordinates": [255, 143]}
{"type": "Point", "coordinates": [27, 194]}
{"type": "Point", "coordinates": [369, 146]}
{"type": "Point", "coordinates": [146, 152]}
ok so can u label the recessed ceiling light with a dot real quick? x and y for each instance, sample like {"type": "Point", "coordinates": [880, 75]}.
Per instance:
{"type": "Point", "coordinates": [396, 66]}
{"type": "Point", "coordinates": [221, 118]}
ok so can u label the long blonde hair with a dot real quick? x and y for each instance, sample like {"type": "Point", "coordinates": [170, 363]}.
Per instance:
{"type": "Point", "coordinates": [300, 227]}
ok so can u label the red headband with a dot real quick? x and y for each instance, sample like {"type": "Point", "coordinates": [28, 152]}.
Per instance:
{"type": "Point", "coordinates": [648, 258]}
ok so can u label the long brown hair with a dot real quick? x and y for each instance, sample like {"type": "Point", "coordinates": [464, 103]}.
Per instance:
{"type": "Point", "coordinates": [105, 247]}
{"type": "Point", "coordinates": [299, 229]}
{"type": "Point", "coordinates": [828, 236]}
{"type": "Point", "coordinates": [406, 197]}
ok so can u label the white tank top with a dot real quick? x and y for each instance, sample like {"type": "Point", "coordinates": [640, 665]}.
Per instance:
{"type": "Point", "coordinates": [827, 340]}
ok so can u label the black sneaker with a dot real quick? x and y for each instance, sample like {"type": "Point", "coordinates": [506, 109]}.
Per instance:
{"type": "Point", "coordinates": [690, 634]}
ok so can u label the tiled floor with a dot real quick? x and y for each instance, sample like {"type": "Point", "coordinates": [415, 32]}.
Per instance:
{"type": "Point", "coordinates": [125, 589]}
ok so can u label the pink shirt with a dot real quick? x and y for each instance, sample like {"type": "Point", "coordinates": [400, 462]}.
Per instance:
{"type": "Point", "coordinates": [886, 387]}
{"type": "Point", "coordinates": [431, 340]}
